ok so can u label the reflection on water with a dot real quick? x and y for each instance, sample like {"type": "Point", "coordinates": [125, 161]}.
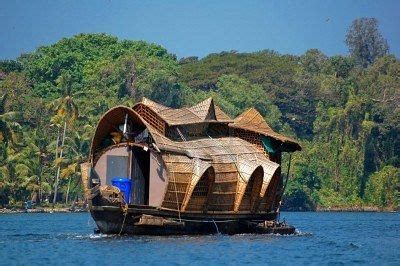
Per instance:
{"type": "Point", "coordinates": [320, 238]}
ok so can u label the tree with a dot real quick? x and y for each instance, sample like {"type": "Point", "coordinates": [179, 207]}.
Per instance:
{"type": "Point", "coordinates": [78, 146]}
{"type": "Point", "coordinates": [339, 65]}
{"type": "Point", "coordinates": [383, 187]}
{"type": "Point", "coordinates": [35, 156]}
{"type": "Point", "coordinates": [365, 42]}
{"type": "Point", "coordinates": [236, 94]}
{"type": "Point", "coordinates": [8, 66]}
{"type": "Point", "coordinates": [8, 139]}
{"type": "Point", "coordinates": [348, 119]}
{"type": "Point", "coordinates": [66, 112]}
{"type": "Point", "coordinates": [7, 123]}
{"type": "Point", "coordinates": [313, 61]}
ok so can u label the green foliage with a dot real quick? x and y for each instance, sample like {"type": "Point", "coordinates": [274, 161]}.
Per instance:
{"type": "Point", "coordinates": [235, 94]}
{"type": "Point", "coordinates": [347, 118]}
{"type": "Point", "coordinates": [383, 188]}
{"type": "Point", "coordinates": [365, 42]}
{"type": "Point", "coordinates": [280, 77]}
{"type": "Point", "coordinates": [7, 66]}
{"type": "Point", "coordinates": [313, 61]}
{"type": "Point", "coordinates": [298, 197]}
{"type": "Point", "coordinates": [339, 65]}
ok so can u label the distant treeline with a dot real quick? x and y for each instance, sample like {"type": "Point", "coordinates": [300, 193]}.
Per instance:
{"type": "Point", "coordinates": [343, 109]}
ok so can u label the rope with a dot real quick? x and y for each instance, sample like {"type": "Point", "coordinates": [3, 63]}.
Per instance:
{"type": "Point", "coordinates": [284, 186]}
{"type": "Point", "coordinates": [125, 210]}
{"type": "Point", "coordinates": [176, 197]}
{"type": "Point", "coordinates": [216, 227]}
{"type": "Point", "coordinates": [176, 191]}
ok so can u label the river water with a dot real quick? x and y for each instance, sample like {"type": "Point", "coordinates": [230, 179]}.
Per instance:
{"type": "Point", "coordinates": [323, 238]}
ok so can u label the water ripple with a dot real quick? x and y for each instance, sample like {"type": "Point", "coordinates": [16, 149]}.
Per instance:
{"type": "Point", "coordinates": [324, 238]}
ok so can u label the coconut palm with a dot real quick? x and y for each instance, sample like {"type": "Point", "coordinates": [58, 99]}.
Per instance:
{"type": "Point", "coordinates": [65, 107]}
{"type": "Point", "coordinates": [8, 139]}
{"type": "Point", "coordinates": [66, 114]}
{"type": "Point", "coordinates": [78, 145]}
{"type": "Point", "coordinates": [7, 123]}
{"type": "Point", "coordinates": [35, 153]}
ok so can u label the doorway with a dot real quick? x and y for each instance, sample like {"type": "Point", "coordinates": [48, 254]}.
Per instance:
{"type": "Point", "coordinates": [140, 170]}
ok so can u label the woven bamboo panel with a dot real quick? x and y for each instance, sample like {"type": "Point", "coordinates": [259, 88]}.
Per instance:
{"type": "Point", "coordinates": [252, 192]}
{"type": "Point", "coordinates": [251, 137]}
{"type": "Point", "coordinates": [177, 159]}
{"type": "Point", "coordinates": [204, 110]}
{"type": "Point", "coordinates": [179, 172]}
{"type": "Point", "coordinates": [197, 203]}
{"type": "Point", "coordinates": [268, 200]}
{"type": "Point", "coordinates": [224, 187]}
{"type": "Point", "coordinates": [240, 189]}
{"type": "Point", "coordinates": [223, 193]}
{"type": "Point", "coordinates": [221, 202]}
{"type": "Point", "coordinates": [151, 117]}
{"type": "Point", "coordinates": [225, 168]}
{"type": "Point", "coordinates": [176, 191]}
{"type": "Point", "coordinates": [234, 161]}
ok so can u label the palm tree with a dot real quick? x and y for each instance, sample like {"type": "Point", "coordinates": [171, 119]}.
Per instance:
{"type": "Point", "coordinates": [66, 113]}
{"type": "Point", "coordinates": [8, 139]}
{"type": "Point", "coordinates": [5, 179]}
{"type": "Point", "coordinates": [78, 146]}
{"type": "Point", "coordinates": [7, 123]}
{"type": "Point", "coordinates": [35, 153]}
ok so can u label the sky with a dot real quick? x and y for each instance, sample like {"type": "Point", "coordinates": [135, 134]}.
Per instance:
{"type": "Point", "coordinates": [197, 28]}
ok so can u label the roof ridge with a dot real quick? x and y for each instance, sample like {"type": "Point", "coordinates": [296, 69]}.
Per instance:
{"type": "Point", "coordinates": [188, 108]}
{"type": "Point", "coordinates": [147, 101]}
{"type": "Point", "coordinates": [240, 117]}
{"type": "Point", "coordinates": [202, 109]}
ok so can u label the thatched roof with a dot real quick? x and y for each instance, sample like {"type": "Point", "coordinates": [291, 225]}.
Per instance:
{"type": "Point", "coordinates": [109, 123]}
{"type": "Point", "coordinates": [252, 120]}
{"type": "Point", "coordinates": [218, 150]}
{"type": "Point", "coordinates": [205, 111]}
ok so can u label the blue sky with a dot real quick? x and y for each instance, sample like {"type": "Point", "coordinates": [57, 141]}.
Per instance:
{"type": "Point", "coordinates": [196, 28]}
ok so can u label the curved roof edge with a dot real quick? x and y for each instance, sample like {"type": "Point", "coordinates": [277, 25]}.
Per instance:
{"type": "Point", "coordinates": [109, 123]}
{"type": "Point", "coordinates": [203, 112]}
{"type": "Point", "coordinates": [252, 120]}
{"type": "Point", "coordinates": [208, 112]}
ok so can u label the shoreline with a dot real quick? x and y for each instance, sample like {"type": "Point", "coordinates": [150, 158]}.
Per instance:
{"type": "Point", "coordinates": [366, 209]}
{"type": "Point", "coordinates": [343, 209]}
{"type": "Point", "coordinates": [42, 210]}
{"type": "Point", "coordinates": [80, 210]}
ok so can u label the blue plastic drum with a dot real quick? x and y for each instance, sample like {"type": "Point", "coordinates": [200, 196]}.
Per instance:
{"type": "Point", "coordinates": [125, 185]}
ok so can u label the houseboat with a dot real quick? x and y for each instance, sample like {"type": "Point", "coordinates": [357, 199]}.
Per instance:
{"type": "Point", "coordinates": [192, 170]}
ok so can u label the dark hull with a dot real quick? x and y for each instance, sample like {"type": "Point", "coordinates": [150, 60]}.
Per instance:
{"type": "Point", "coordinates": [150, 221]}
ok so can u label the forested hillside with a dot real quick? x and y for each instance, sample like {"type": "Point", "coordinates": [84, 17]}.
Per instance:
{"type": "Point", "coordinates": [345, 112]}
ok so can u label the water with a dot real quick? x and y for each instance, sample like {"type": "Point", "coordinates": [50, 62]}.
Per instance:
{"type": "Point", "coordinates": [324, 238]}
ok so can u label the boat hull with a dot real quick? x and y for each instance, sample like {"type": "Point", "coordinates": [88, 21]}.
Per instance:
{"type": "Point", "coordinates": [135, 221]}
